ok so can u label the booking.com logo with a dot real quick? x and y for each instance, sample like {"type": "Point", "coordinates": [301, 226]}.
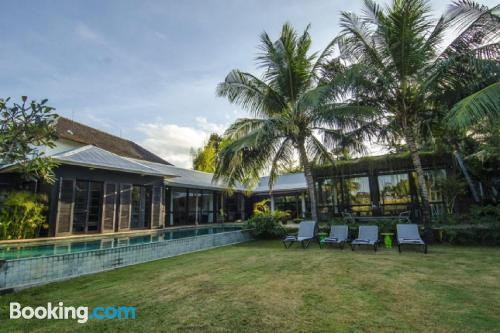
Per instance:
{"type": "Point", "coordinates": [81, 313]}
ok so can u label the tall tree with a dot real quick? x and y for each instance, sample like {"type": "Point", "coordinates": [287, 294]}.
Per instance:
{"type": "Point", "coordinates": [293, 112]}
{"type": "Point", "coordinates": [415, 68]}
{"type": "Point", "coordinates": [204, 159]}
{"type": "Point", "coordinates": [24, 127]}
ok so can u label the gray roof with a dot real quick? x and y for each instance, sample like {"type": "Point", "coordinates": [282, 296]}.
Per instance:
{"type": "Point", "coordinates": [186, 177]}
{"type": "Point", "coordinates": [288, 182]}
{"type": "Point", "coordinates": [94, 157]}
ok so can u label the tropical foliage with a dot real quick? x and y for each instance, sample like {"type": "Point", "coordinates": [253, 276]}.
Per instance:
{"type": "Point", "coordinates": [204, 159]}
{"type": "Point", "coordinates": [263, 209]}
{"type": "Point", "coordinates": [294, 113]}
{"type": "Point", "coordinates": [24, 127]}
{"type": "Point", "coordinates": [451, 187]}
{"type": "Point", "coordinates": [22, 215]}
{"type": "Point", "coordinates": [404, 63]}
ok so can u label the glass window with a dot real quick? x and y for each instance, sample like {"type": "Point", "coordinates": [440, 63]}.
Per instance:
{"type": "Point", "coordinates": [325, 189]}
{"type": "Point", "coordinates": [431, 179]}
{"type": "Point", "coordinates": [234, 207]}
{"type": "Point", "coordinates": [329, 194]}
{"type": "Point", "coordinates": [88, 204]}
{"type": "Point", "coordinates": [394, 189]}
{"type": "Point", "coordinates": [435, 195]}
{"type": "Point", "coordinates": [141, 206]}
{"type": "Point", "coordinates": [358, 190]}
{"type": "Point", "coordinates": [179, 206]}
{"type": "Point", "coordinates": [395, 195]}
{"type": "Point", "coordinates": [289, 203]}
{"type": "Point", "coordinates": [357, 196]}
{"type": "Point", "coordinates": [194, 205]}
{"type": "Point", "coordinates": [207, 207]}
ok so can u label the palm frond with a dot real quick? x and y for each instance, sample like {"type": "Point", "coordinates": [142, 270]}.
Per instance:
{"type": "Point", "coordinates": [473, 25]}
{"type": "Point", "coordinates": [283, 155]}
{"type": "Point", "coordinates": [474, 108]}
{"type": "Point", "coordinates": [323, 59]}
{"type": "Point", "coordinates": [250, 93]}
{"type": "Point", "coordinates": [355, 41]}
{"type": "Point", "coordinates": [317, 152]}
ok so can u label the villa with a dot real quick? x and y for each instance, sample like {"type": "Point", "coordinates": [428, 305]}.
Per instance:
{"type": "Point", "coordinates": [107, 184]}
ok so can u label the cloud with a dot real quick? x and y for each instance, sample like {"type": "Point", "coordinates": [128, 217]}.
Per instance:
{"type": "Point", "coordinates": [174, 143]}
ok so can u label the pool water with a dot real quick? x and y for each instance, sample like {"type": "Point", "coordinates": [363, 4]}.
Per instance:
{"type": "Point", "coordinates": [16, 251]}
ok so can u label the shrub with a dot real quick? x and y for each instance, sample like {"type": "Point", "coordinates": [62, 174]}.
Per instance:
{"type": "Point", "coordinates": [281, 216]}
{"type": "Point", "coordinates": [471, 235]}
{"type": "Point", "coordinates": [262, 209]}
{"type": "Point", "coordinates": [265, 227]}
{"type": "Point", "coordinates": [484, 215]}
{"type": "Point", "coordinates": [22, 215]}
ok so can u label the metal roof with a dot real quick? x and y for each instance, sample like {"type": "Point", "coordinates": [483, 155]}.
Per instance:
{"type": "Point", "coordinates": [288, 182]}
{"type": "Point", "coordinates": [95, 157]}
{"type": "Point", "coordinates": [186, 177]}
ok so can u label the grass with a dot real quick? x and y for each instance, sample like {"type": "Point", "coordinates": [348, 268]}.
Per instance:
{"type": "Point", "coordinates": [261, 287]}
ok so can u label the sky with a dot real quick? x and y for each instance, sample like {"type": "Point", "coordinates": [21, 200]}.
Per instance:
{"type": "Point", "coordinates": [147, 70]}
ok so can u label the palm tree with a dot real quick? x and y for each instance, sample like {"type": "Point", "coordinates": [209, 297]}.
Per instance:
{"type": "Point", "coordinates": [415, 69]}
{"type": "Point", "coordinates": [293, 113]}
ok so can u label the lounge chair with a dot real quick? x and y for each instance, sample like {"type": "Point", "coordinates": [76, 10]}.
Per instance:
{"type": "Point", "coordinates": [367, 235]}
{"type": "Point", "coordinates": [338, 235]}
{"type": "Point", "coordinates": [408, 234]}
{"type": "Point", "coordinates": [307, 233]}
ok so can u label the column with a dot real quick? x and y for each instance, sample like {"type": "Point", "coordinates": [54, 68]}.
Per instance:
{"type": "Point", "coordinates": [303, 200]}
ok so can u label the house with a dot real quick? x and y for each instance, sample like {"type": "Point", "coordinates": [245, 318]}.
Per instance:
{"type": "Point", "coordinates": [107, 184]}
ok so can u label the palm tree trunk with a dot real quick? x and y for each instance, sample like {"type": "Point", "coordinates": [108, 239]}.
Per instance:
{"type": "Point", "coordinates": [424, 194]}
{"type": "Point", "coordinates": [309, 180]}
{"type": "Point", "coordinates": [467, 177]}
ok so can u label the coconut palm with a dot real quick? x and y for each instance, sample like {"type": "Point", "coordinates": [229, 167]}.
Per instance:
{"type": "Point", "coordinates": [414, 68]}
{"type": "Point", "coordinates": [293, 113]}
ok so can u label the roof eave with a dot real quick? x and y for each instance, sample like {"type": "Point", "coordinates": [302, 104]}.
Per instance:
{"type": "Point", "coordinates": [111, 168]}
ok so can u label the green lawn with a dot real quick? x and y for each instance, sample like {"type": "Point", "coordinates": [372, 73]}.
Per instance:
{"type": "Point", "coordinates": [261, 287]}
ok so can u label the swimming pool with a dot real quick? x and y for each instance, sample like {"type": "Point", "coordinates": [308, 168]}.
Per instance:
{"type": "Point", "coordinates": [24, 265]}
{"type": "Point", "coordinates": [27, 250]}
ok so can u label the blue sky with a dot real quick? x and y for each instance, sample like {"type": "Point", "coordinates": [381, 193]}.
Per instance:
{"type": "Point", "coordinates": [147, 70]}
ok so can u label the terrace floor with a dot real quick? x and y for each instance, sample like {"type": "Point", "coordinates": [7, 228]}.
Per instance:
{"type": "Point", "coordinates": [261, 287]}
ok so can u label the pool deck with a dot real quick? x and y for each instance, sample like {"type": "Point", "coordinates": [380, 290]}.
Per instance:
{"type": "Point", "coordinates": [135, 232]}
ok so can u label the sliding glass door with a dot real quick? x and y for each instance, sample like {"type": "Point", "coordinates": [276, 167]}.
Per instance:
{"type": "Point", "coordinates": [190, 206]}
{"type": "Point", "coordinates": [141, 207]}
{"type": "Point", "coordinates": [87, 206]}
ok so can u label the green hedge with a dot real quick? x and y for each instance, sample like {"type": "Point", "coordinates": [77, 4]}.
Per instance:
{"type": "Point", "coordinates": [469, 235]}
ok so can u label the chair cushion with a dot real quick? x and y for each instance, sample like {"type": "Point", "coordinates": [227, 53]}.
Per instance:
{"type": "Point", "coordinates": [363, 241]}
{"type": "Point", "coordinates": [413, 241]}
